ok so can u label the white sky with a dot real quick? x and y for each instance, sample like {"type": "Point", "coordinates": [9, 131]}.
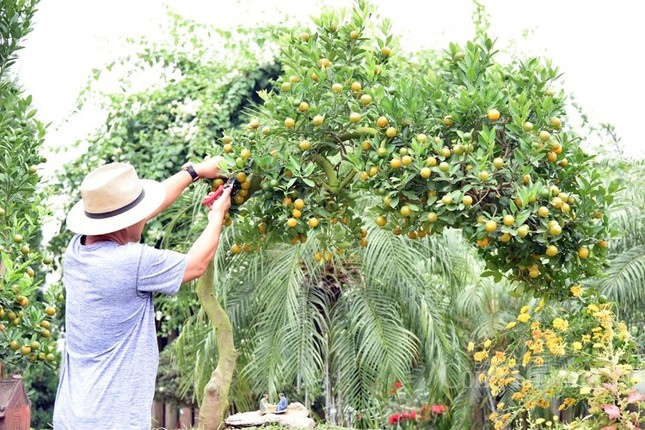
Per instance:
{"type": "Point", "coordinates": [594, 43]}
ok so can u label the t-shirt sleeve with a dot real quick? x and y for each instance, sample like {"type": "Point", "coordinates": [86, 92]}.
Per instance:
{"type": "Point", "coordinates": [160, 270]}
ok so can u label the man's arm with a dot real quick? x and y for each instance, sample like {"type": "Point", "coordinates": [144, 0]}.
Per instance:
{"type": "Point", "coordinates": [203, 250]}
{"type": "Point", "coordinates": [178, 182]}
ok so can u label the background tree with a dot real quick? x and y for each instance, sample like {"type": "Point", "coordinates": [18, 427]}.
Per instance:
{"type": "Point", "coordinates": [25, 312]}
{"type": "Point", "coordinates": [625, 277]}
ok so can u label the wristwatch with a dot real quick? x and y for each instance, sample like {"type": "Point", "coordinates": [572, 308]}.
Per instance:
{"type": "Point", "coordinates": [191, 171]}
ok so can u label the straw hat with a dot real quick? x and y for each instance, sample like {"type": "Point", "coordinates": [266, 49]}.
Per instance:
{"type": "Point", "coordinates": [113, 197]}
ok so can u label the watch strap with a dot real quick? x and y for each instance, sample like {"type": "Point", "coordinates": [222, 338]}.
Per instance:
{"type": "Point", "coordinates": [191, 171]}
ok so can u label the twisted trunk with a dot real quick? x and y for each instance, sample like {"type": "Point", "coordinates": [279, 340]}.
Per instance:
{"type": "Point", "coordinates": [215, 401]}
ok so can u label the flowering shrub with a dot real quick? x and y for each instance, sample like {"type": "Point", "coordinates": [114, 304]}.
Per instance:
{"type": "Point", "coordinates": [427, 416]}
{"type": "Point", "coordinates": [573, 353]}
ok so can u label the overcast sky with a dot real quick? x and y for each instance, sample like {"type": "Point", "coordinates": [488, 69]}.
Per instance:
{"type": "Point", "coordinates": [594, 43]}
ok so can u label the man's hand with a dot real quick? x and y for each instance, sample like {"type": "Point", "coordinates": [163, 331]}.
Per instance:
{"type": "Point", "coordinates": [220, 206]}
{"type": "Point", "coordinates": [209, 168]}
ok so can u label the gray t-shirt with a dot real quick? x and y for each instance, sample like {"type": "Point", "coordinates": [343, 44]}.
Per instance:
{"type": "Point", "coordinates": [110, 361]}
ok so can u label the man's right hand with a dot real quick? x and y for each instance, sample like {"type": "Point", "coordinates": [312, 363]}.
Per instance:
{"type": "Point", "coordinates": [220, 206]}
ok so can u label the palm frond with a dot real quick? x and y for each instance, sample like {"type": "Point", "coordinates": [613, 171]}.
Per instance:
{"type": "Point", "coordinates": [278, 292]}
{"type": "Point", "coordinates": [383, 343]}
{"type": "Point", "coordinates": [625, 280]}
{"type": "Point", "coordinates": [347, 376]}
{"type": "Point", "coordinates": [304, 338]}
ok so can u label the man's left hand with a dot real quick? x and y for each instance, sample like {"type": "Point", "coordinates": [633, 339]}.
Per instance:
{"type": "Point", "coordinates": [209, 168]}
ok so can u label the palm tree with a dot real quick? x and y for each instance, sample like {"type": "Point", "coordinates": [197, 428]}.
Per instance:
{"type": "Point", "coordinates": [341, 331]}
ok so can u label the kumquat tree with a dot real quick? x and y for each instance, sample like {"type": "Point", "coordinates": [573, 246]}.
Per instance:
{"type": "Point", "coordinates": [26, 312]}
{"type": "Point", "coordinates": [382, 198]}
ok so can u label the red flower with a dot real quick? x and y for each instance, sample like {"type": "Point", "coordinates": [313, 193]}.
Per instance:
{"type": "Point", "coordinates": [439, 409]}
{"type": "Point", "coordinates": [413, 415]}
{"type": "Point", "coordinates": [394, 418]}
{"type": "Point", "coordinates": [406, 415]}
{"type": "Point", "coordinates": [398, 384]}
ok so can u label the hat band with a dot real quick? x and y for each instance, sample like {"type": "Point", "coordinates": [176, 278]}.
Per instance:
{"type": "Point", "coordinates": [118, 211]}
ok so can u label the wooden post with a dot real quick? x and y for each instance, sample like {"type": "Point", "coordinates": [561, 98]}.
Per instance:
{"type": "Point", "coordinates": [186, 418]}
{"type": "Point", "coordinates": [171, 416]}
{"type": "Point", "coordinates": [157, 414]}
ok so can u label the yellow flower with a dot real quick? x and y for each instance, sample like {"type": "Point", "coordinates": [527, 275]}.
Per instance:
{"type": "Point", "coordinates": [511, 325]}
{"type": "Point", "coordinates": [471, 346]}
{"type": "Point", "coordinates": [482, 377]}
{"type": "Point", "coordinates": [592, 308]}
{"type": "Point", "coordinates": [539, 361]}
{"type": "Point", "coordinates": [560, 324]}
{"type": "Point", "coordinates": [624, 334]}
{"type": "Point", "coordinates": [523, 317]}
{"type": "Point", "coordinates": [501, 405]}
{"type": "Point", "coordinates": [524, 309]}
{"type": "Point", "coordinates": [526, 386]}
{"type": "Point", "coordinates": [480, 355]}
{"type": "Point", "coordinates": [487, 343]}
{"type": "Point", "coordinates": [511, 362]}
{"type": "Point", "coordinates": [585, 390]}
{"type": "Point", "coordinates": [526, 359]}
{"type": "Point", "coordinates": [539, 421]}
{"type": "Point", "coordinates": [517, 396]}
{"type": "Point", "coordinates": [577, 346]}
{"type": "Point", "coordinates": [576, 290]}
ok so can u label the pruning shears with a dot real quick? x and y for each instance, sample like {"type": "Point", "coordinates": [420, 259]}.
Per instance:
{"type": "Point", "coordinates": [214, 195]}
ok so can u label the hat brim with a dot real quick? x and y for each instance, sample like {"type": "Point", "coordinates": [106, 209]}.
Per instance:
{"type": "Point", "coordinates": [78, 222]}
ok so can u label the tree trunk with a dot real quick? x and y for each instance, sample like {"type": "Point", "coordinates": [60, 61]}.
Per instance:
{"type": "Point", "coordinates": [215, 401]}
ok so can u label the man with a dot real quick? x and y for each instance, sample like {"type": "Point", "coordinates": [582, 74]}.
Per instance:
{"type": "Point", "coordinates": [282, 404]}
{"type": "Point", "coordinates": [110, 363]}
{"type": "Point", "coordinates": [264, 404]}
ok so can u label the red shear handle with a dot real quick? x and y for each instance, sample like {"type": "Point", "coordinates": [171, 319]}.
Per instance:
{"type": "Point", "coordinates": [212, 196]}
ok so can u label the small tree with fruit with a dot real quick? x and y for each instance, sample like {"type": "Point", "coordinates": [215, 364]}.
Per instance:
{"type": "Point", "coordinates": [25, 312]}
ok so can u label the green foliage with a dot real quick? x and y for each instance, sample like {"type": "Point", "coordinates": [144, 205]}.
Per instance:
{"type": "Point", "coordinates": [465, 142]}
{"type": "Point", "coordinates": [15, 24]}
{"type": "Point", "coordinates": [42, 384]}
{"type": "Point", "coordinates": [25, 327]}
{"type": "Point", "coordinates": [625, 276]}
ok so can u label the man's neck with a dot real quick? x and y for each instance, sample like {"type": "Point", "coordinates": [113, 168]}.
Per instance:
{"type": "Point", "coordinates": [115, 237]}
